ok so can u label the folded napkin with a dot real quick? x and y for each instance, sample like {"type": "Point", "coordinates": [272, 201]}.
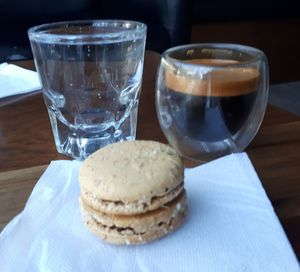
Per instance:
{"type": "Point", "coordinates": [231, 226]}
{"type": "Point", "coordinates": [16, 80]}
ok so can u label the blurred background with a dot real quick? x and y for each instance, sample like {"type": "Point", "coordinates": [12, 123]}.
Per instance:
{"type": "Point", "coordinates": [270, 25]}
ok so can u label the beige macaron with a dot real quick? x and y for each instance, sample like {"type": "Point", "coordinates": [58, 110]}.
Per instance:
{"type": "Point", "coordinates": [132, 192]}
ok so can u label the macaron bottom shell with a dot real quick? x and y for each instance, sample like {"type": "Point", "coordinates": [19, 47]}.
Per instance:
{"type": "Point", "coordinates": [137, 228]}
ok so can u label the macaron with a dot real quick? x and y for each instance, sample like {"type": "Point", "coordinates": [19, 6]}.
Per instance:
{"type": "Point", "coordinates": [132, 192]}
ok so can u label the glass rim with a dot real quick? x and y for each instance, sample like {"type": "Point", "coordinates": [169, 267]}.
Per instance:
{"type": "Point", "coordinates": [126, 28]}
{"type": "Point", "coordinates": [257, 54]}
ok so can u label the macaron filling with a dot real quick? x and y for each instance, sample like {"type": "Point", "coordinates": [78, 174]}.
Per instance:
{"type": "Point", "coordinates": [139, 206]}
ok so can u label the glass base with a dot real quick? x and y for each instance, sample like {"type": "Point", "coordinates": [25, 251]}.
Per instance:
{"type": "Point", "coordinates": [79, 142]}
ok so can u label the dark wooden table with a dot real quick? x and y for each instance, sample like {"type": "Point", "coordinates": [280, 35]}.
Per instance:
{"type": "Point", "coordinates": [27, 147]}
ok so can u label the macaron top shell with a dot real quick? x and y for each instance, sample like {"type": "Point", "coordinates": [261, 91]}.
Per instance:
{"type": "Point", "coordinates": [131, 171]}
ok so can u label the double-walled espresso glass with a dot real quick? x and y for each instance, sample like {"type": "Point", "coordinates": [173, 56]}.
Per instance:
{"type": "Point", "coordinates": [91, 73]}
{"type": "Point", "coordinates": [211, 98]}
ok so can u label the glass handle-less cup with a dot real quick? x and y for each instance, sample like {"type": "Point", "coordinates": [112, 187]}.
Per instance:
{"type": "Point", "coordinates": [211, 98]}
{"type": "Point", "coordinates": [91, 73]}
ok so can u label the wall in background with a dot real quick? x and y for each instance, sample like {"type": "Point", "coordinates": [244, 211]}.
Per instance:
{"type": "Point", "coordinates": [278, 38]}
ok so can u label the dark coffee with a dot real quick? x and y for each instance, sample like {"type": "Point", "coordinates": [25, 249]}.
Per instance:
{"type": "Point", "coordinates": [214, 107]}
{"type": "Point", "coordinates": [210, 118]}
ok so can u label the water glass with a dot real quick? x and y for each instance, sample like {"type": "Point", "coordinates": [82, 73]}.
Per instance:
{"type": "Point", "coordinates": [91, 73]}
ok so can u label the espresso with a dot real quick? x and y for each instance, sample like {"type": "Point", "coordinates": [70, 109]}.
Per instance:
{"type": "Point", "coordinates": [214, 107]}
{"type": "Point", "coordinates": [210, 118]}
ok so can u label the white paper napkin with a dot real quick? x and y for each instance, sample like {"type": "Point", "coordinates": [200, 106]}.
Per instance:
{"type": "Point", "coordinates": [231, 226]}
{"type": "Point", "coordinates": [16, 80]}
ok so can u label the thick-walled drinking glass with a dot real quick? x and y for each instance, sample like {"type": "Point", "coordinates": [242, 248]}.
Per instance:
{"type": "Point", "coordinates": [211, 98]}
{"type": "Point", "coordinates": [91, 73]}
